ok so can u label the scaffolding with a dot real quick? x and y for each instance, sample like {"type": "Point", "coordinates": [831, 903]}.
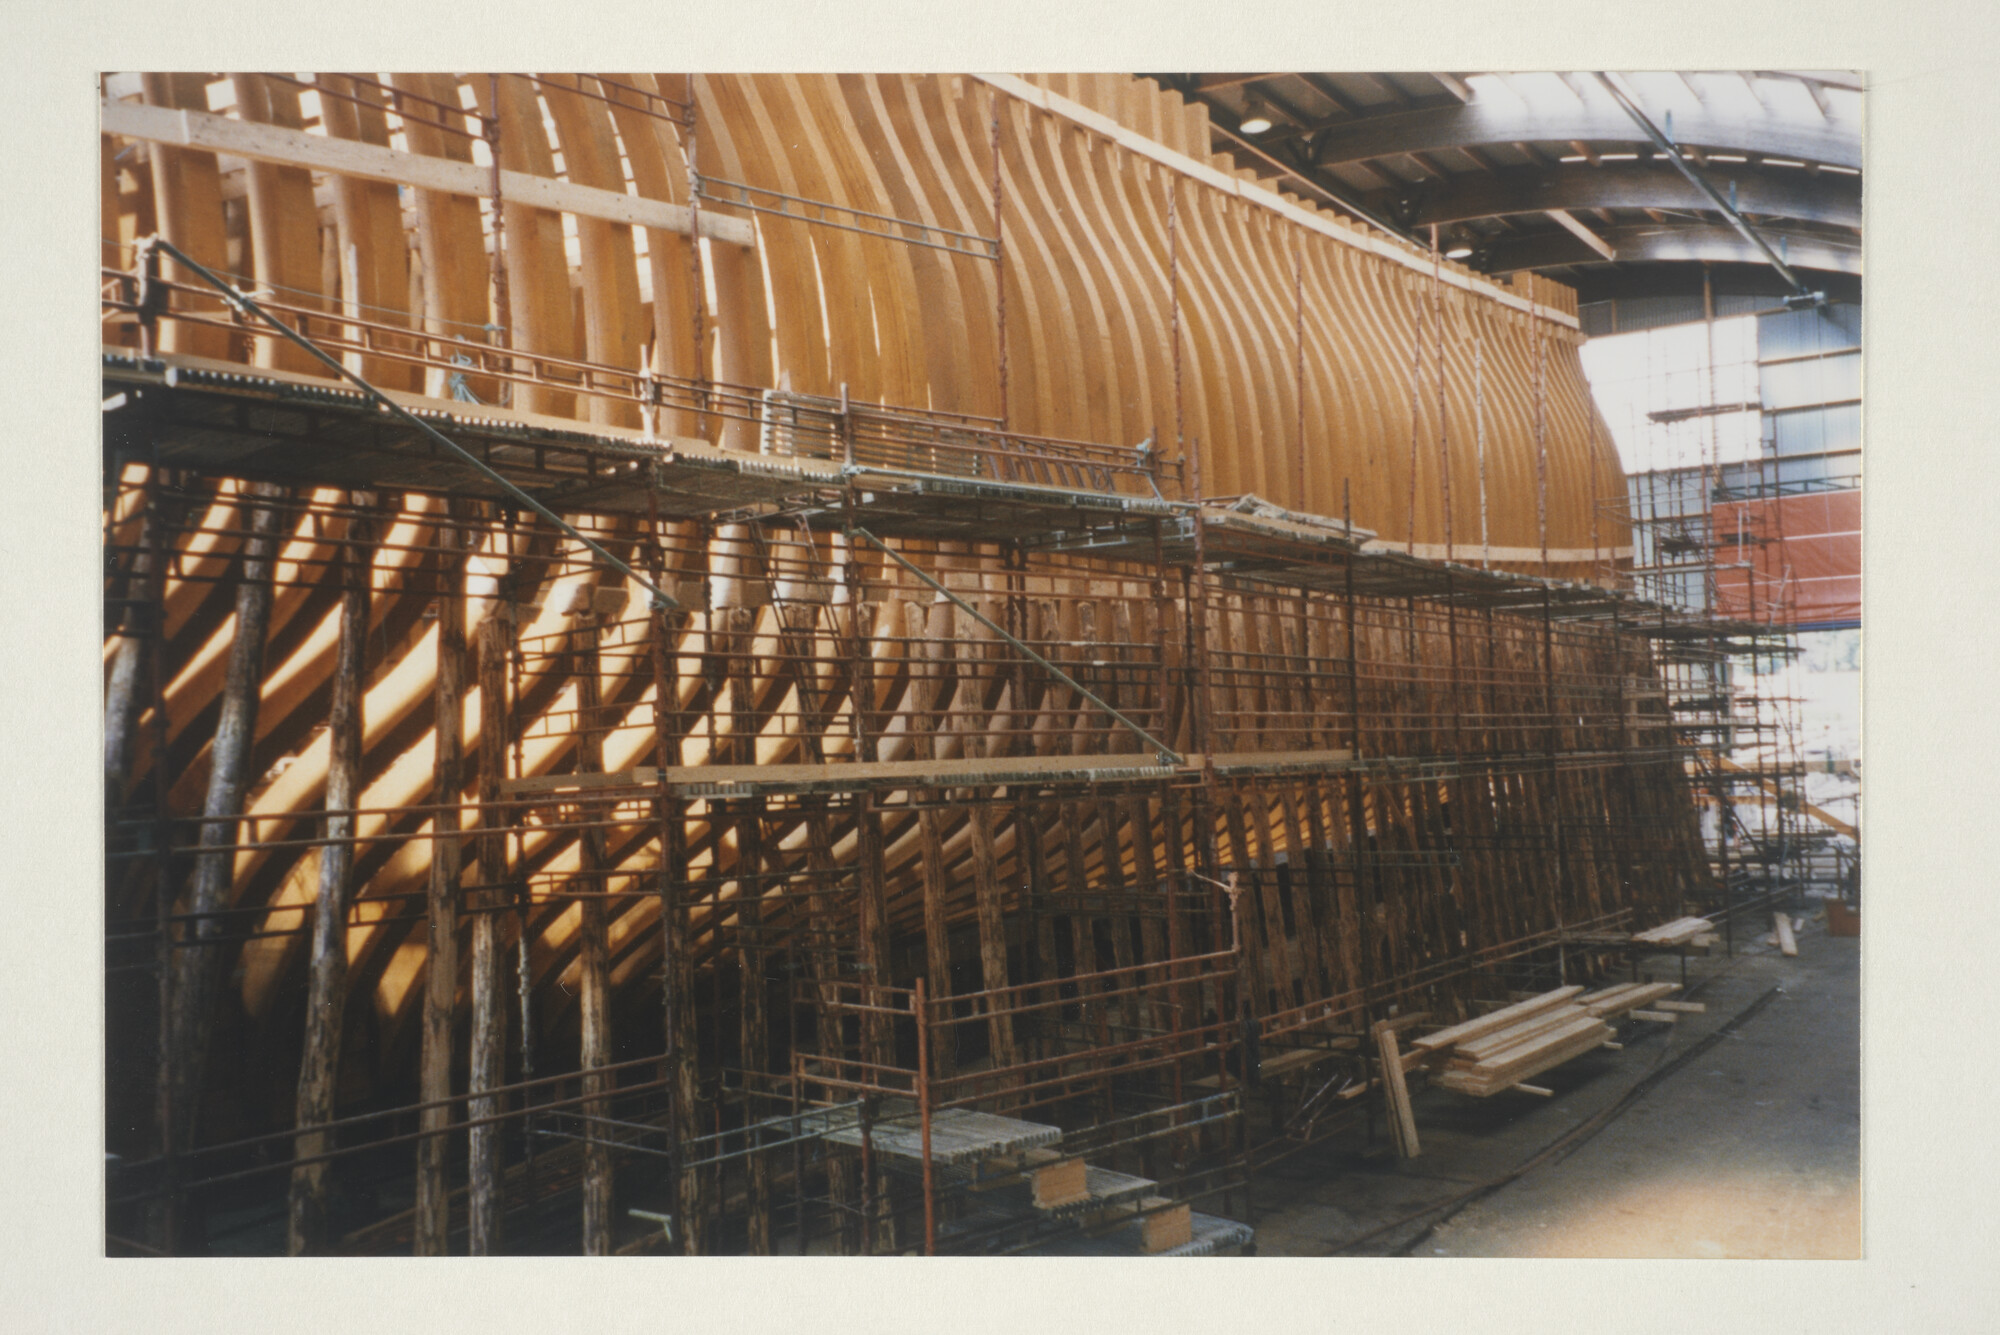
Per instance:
{"type": "Point", "coordinates": [1707, 543]}
{"type": "Point", "coordinates": [1150, 797]}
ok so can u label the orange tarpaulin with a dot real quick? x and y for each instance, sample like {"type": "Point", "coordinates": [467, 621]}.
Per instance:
{"type": "Point", "coordinates": [1795, 559]}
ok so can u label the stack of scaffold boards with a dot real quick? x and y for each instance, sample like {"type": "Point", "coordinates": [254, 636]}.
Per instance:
{"type": "Point", "coordinates": [1504, 1049]}
{"type": "Point", "coordinates": [1016, 1178]}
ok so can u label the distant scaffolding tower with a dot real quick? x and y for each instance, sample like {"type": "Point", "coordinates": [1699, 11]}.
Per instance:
{"type": "Point", "coordinates": [1704, 541]}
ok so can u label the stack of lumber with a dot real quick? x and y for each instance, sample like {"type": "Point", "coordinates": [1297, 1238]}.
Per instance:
{"type": "Point", "coordinates": [1676, 933]}
{"type": "Point", "coordinates": [1551, 1041]}
{"type": "Point", "coordinates": [1501, 1050]}
{"type": "Point", "coordinates": [1494, 1021]}
{"type": "Point", "coordinates": [1624, 998]}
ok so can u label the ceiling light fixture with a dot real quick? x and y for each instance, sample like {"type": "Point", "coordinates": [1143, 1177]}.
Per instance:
{"type": "Point", "coordinates": [1458, 252]}
{"type": "Point", "coordinates": [1254, 120]}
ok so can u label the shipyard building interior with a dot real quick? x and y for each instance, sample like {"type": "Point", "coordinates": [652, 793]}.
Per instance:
{"type": "Point", "coordinates": [1111, 665]}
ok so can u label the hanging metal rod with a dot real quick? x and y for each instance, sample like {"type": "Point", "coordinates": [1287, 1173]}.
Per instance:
{"type": "Point", "coordinates": [1700, 182]}
{"type": "Point", "coordinates": [151, 247]}
{"type": "Point", "coordinates": [1167, 755]}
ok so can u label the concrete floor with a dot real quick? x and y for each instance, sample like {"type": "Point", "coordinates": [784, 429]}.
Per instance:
{"type": "Point", "coordinates": [1751, 1149]}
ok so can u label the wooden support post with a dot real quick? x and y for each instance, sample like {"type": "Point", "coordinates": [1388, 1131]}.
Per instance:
{"type": "Point", "coordinates": [678, 979]}
{"type": "Point", "coordinates": [1032, 855]}
{"type": "Point", "coordinates": [1083, 941]}
{"type": "Point", "coordinates": [165, 1209]}
{"type": "Point", "coordinates": [326, 1000]}
{"type": "Point", "coordinates": [755, 1034]}
{"type": "Point", "coordinates": [488, 1059]}
{"type": "Point", "coordinates": [593, 949]}
{"type": "Point", "coordinates": [1402, 1121]}
{"type": "Point", "coordinates": [433, 1221]}
{"type": "Point", "coordinates": [197, 965]}
{"type": "Point", "coordinates": [1152, 926]}
{"type": "Point", "coordinates": [1111, 851]}
{"type": "Point", "coordinates": [937, 940]}
{"type": "Point", "coordinates": [824, 963]}
{"type": "Point", "coordinates": [878, 1227]}
{"type": "Point", "coordinates": [690, 1205]}
{"type": "Point", "coordinates": [800, 644]}
{"type": "Point", "coordinates": [1311, 883]}
{"type": "Point", "coordinates": [140, 625]}
{"type": "Point", "coordinates": [926, 702]}
{"type": "Point", "coordinates": [922, 1013]}
{"type": "Point", "coordinates": [992, 927]}
{"type": "Point", "coordinates": [1040, 943]}
{"type": "Point", "coordinates": [1184, 1000]}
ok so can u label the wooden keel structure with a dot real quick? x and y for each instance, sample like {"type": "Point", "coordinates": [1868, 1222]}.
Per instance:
{"type": "Point", "coordinates": [962, 674]}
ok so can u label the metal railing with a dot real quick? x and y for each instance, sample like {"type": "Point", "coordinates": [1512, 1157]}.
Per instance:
{"type": "Point", "coordinates": [862, 436]}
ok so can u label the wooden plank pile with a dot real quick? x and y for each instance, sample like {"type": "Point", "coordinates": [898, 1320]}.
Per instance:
{"type": "Point", "coordinates": [1501, 1050]}
{"type": "Point", "coordinates": [1679, 932]}
{"type": "Point", "coordinates": [1624, 998]}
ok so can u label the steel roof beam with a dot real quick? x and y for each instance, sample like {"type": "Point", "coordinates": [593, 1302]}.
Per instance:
{"type": "Point", "coordinates": [1625, 282]}
{"type": "Point", "coordinates": [1576, 229]}
{"type": "Point", "coordinates": [1622, 92]}
{"type": "Point", "coordinates": [1772, 192]}
{"type": "Point", "coordinates": [1326, 88]}
{"type": "Point", "coordinates": [1716, 244]}
{"type": "Point", "coordinates": [1454, 85]}
{"type": "Point", "coordinates": [1501, 120]}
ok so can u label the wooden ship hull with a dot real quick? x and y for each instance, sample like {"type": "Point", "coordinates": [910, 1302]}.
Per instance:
{"type": "Point", "coordinates": [1118, 621]}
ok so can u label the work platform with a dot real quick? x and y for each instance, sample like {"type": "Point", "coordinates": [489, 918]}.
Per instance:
{"type": "Point", "coordinates": [694, 781]}
{"type": "Point", "coordinates": [958, 1136]}
{"type": "Point", "coordinates": [898, 473]}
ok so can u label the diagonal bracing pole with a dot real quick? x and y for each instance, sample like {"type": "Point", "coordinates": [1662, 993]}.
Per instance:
{"type": "Point", "coordinates": [661, 600]}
